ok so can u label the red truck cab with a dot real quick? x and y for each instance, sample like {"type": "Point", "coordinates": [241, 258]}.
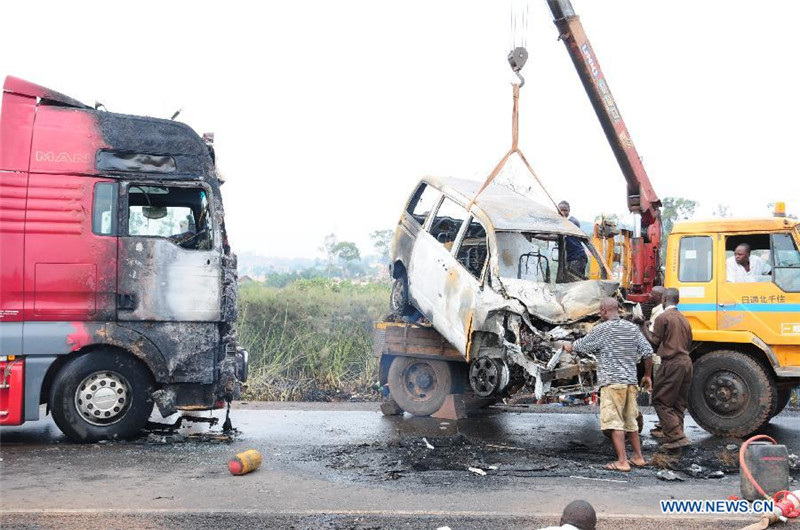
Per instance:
{"type": "Point", "coordinates": [117, 284]}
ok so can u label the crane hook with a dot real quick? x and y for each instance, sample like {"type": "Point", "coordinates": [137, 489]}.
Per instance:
{"type": "Point", "coordinates": [517, 59]}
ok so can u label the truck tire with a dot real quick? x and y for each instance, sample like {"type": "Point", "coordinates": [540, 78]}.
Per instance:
{"type": "Point", "coordinates": [784, 395]}
{"type": "Point", "coordinates": [731, 394]}
{"type": "Point", "coordinates": [399, 303]}
{"type": "Point", "coordinates": [419, 386]}
{"type": "Point", "coordinates": [101, 395]}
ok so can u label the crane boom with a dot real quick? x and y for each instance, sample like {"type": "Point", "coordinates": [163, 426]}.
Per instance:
{"type": "Point", "coordinates": [642, 199]}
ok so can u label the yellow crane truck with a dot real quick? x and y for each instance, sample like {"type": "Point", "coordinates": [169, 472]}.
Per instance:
{"type": "Point", "coordinates": [747, 334]}
{"type": "Point", "coordinates": [746, 349]}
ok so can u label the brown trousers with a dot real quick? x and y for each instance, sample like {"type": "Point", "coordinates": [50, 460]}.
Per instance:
{"type": "Point", "coordinates": [671, 394]}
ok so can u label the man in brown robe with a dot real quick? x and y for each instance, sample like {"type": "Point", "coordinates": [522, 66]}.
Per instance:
{"type": "Point", "coordinates": [672, 335]}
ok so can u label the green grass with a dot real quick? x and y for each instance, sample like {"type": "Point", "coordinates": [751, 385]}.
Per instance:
{"type": "Point", "coordinates": [310, 340]}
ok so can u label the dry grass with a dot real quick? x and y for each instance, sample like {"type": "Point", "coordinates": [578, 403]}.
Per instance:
{"type": "Point", "coordinates": [311, 340]}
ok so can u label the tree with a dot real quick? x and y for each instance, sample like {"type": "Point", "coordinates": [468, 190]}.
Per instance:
{"type": "Point", "coordinates": [328, 248]}
{"type": "Point", "coordinates": [722, 210]}
{"type": "Point", "coordinates": [380, 241]}
{"type": "Point", "coordinates": [346, 251]}
{"type": "Point", "coordinates": [675, 209]}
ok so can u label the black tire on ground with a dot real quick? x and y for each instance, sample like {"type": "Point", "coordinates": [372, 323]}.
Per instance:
{"type": "Point", "coordinates": [784, 394]}
{"type": "Point", "coordinates": [419, 386]}
{"type": "Point", "coordinates": [389, 407]}
{"type": "Point", "coordinates": [101, 395]}
{"type": "Point", "coordinates": [732, 394]}
{"type": "Point", "coordinates": [399, 303]}
{"type": "Point", "coordinates": [473, 402]}
{"type": "Point", "coordinates": [460, 385]}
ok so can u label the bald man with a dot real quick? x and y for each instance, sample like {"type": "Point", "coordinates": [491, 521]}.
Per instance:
{"type": "Point", "coordinates": [618, 345]}
{"type": "Point", "coordinates": [654, 305]}
{"type": "Point", "coordinates": [577, 515]}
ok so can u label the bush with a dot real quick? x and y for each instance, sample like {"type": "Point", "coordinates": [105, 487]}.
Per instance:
{"type": "Point", "coordinates": [310, 340]}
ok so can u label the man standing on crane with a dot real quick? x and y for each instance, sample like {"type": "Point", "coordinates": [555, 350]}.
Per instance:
{"type": "Point", "coordinates": [576, 256]}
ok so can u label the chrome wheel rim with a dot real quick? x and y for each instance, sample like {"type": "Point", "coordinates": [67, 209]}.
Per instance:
{"type": "Point", "coordinates": [103, 398]}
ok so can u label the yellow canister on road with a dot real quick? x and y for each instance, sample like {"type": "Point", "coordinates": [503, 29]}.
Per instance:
{"type": "Point", "coordinates": [245, 462]}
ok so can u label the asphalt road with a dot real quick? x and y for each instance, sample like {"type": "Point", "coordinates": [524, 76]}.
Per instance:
{"type": "Point", "coordinates": [346, 466]}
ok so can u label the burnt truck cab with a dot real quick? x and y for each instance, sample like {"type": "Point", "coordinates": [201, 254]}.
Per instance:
{"type": "Point", "coordinates": [493, 281]}
{"type": "Point", "coordinates": [118, 283]}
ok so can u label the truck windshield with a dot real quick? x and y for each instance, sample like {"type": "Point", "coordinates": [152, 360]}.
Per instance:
{"type": "Point", "coordinates": [786, 262]}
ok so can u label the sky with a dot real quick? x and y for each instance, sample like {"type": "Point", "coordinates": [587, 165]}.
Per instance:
{"type": "Point", "coordinates": [326, 114]}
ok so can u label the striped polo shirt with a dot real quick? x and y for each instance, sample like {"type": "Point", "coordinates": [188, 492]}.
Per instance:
{"type": "Point", "coordinates": [617, 345]}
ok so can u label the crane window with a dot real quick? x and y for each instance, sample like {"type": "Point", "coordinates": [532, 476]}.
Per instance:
{"type": "Point", "coordinates": [695, 261]}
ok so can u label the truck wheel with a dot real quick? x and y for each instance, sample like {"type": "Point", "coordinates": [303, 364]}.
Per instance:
{"type": "Point", "coordinates": [784, 395]}
{"type": "Point", "coordinates": [419, 386]}
{"type": "Point", "coordinates": [731, 394]}
{"type": "Point", "coordinates": [389, 407]}
{"type": "Point", "coordinates": [399, 303]}
{"type": "Point", "coordinates": [101, 395]}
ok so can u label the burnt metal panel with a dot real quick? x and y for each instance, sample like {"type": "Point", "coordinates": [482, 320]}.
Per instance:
{"type": "Point", "coordinates": [155, 136]}
{"type": "Point", "coordinates": [192, 348]}
{"type": "Point", "coordinates": [169, 283]}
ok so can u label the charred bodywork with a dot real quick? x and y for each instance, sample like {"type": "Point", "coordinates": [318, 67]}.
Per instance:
{"type": "Point", "coordinates": [114, 228]}
{"type": "Point", "coordinates": [494, 282]}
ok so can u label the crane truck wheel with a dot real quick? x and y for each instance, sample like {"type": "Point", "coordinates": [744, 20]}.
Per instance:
{"type": "Point", "coordinates": [399, 303]}
{"type": "Point", "coordinates": [101, 395]}
{"type": "Point", "coordinates": [731, 394]}
{"type": "Point", "coordinates": [419, 386]}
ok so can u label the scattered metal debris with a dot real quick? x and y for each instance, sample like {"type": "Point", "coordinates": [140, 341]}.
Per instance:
{"type": "Point", "coordinates": [731, 447]}
{"type": "Point", "coordinates": [668, 475]}
{"type": "Point", "coordinates": [477, 471]}
{"type": "Point", "coordinates": [504, 447]}
{"type": "Point", "coordinates": [695, 471]}
{"type": "Point", "coordinates": [164, 427]}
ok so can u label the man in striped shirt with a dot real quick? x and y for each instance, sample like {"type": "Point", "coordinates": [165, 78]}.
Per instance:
{"type": "Point", "coordinates": [618, 345]}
